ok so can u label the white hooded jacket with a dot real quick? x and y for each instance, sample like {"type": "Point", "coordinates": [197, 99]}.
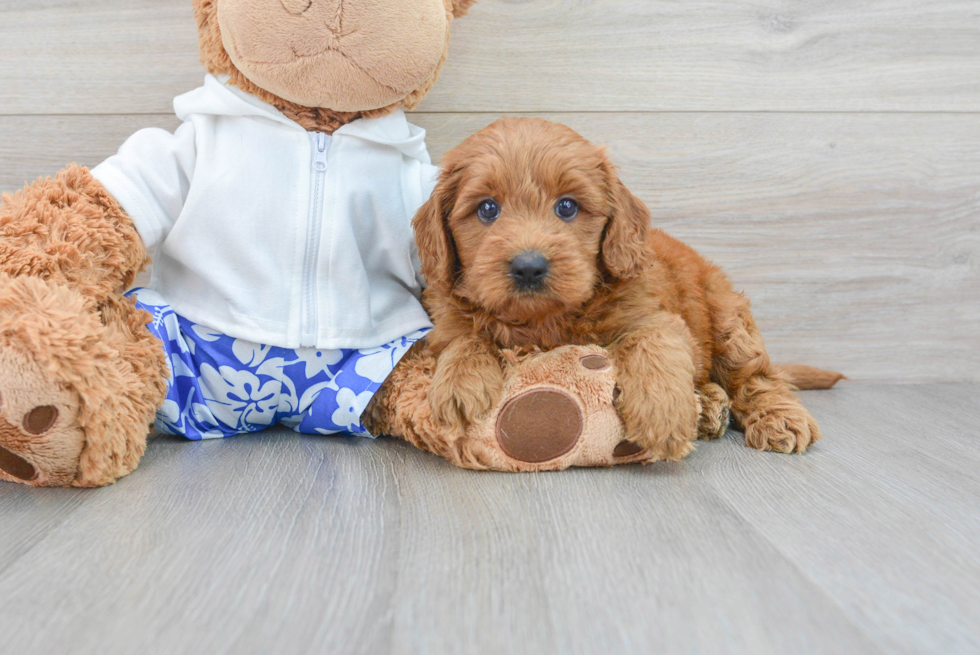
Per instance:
{"type": "Point", "coordinates": [272, 234]}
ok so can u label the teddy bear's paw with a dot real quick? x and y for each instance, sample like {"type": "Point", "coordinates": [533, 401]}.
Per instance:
{"type": "Point", "coordinates": [40, 437]}
{"type": "Point", "coordinates": [715, 411]}
{"type": "Point", "coordinates": [557, 412]}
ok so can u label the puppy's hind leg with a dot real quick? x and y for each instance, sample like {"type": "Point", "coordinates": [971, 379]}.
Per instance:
{"type": "Point", "coordinates": [762, 398]}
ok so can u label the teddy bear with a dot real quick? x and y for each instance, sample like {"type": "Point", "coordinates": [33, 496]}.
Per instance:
{"type": "Point", "coordinates": [285, 285]}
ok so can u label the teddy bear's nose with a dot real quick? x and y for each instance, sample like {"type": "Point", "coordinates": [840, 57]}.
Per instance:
{"type": "Point", "coordinates": [539, 425]}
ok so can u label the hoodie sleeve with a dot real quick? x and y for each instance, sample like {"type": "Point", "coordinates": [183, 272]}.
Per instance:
{"type": "Point", "coordinates": [150, 177]}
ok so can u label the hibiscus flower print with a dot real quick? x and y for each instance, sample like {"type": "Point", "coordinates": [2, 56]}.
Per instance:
{"type": "Point", "coordinates": [239, 399]}
{"type": "Point", "coordinates": [351, 405]}
{"type": "Point", "coordinates": [376, 364]}
{"type": "Point", "coordinates": [317, 361]}
{"type": "Point", "coordinates": [248, 353]}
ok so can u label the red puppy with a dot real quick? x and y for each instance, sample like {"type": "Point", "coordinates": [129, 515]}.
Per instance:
{"type": "Point", "coordinates": [530, 239]}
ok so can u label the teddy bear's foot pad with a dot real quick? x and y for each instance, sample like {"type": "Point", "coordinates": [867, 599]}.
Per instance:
{"type": "Point", "coordinates": [539, 425]}
{"type": "Point", "coordinates": [558, 411]}
{"type": "Point", "coordinates": [626, 448]}
{"type": "Point", "coordinates": [40, 439]}
{"type": "Point", "coordinates": [14, 465]}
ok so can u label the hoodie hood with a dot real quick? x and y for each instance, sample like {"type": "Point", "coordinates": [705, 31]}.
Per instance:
{"type": "Point", "coordinates": [218, 98]}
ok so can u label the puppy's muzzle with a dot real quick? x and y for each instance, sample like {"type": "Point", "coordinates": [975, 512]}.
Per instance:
{"type": "Point", "coordinates": [529, 270]}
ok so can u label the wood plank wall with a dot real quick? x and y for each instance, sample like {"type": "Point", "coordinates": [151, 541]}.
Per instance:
{"type": "Point", "coordinates": [826, 153]}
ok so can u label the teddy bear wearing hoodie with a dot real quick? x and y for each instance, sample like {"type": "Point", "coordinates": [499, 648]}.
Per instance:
{"type": "Point", "coordinates": [285, 284]}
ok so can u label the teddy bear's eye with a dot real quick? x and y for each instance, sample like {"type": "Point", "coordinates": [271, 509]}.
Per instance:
{"type": "Point", "coordinates": [566, 209]}
{"type": "Point", "coordinates": [488, 211]}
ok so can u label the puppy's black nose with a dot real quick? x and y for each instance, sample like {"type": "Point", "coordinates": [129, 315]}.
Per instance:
{"type": "Point", "coordinates": [529, 270]}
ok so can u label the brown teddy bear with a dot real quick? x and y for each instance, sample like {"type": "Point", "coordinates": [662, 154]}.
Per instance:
{"type": "Point", "coordinates": [279, 213]}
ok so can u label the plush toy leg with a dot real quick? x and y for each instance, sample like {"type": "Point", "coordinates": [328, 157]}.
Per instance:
{"type": "Point", "coordinates": [556, 412]}
{"type": "Point", "coordinates": [79, 385]}
{"type": "Point", "coordinates": [80, 374]}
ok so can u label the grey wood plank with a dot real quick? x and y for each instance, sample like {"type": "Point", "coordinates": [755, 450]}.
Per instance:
{"type": "Point", "coordinates": [109, 56]}
{"type": "Point", "coordinates": [320, 545]}
{"type": "Point", "coordinates": [38, 146]}
{"type": "Point", "coordinates": [856, 235]}
{"type": "Point", "coordinates": [882, 514]}
{"type": "Point", "coordinates": [26, 518]}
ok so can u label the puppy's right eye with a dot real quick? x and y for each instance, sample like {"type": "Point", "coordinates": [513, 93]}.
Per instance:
{"type": "Point", "coordinates": [488, 211]}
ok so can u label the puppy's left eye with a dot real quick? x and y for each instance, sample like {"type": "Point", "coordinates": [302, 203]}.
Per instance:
{"type": "Point", "coordinates": [566, 209]}
{"type": "Point", "coordinates": [488, 211]}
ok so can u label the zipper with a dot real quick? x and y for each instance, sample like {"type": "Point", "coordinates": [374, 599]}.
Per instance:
{"type": "Point", "coordinates": [309, 314]}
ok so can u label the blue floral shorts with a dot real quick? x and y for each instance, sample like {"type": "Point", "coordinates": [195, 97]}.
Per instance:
{"type": "Point", "coordinates": [220, 386]}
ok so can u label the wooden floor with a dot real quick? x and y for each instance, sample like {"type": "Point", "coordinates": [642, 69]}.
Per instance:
{"type": "Point", "coordinates": [825, 153]}
{"type": "Point", "coordinates": [282, 543]}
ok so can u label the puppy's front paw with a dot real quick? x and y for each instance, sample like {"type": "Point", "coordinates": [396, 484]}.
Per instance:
{"type": "Point", "coordinates": [786, 429]}
{"type": "Point", "coordinates": [462, 391]}
{"type": "Point", "coordinates": [666, 428]}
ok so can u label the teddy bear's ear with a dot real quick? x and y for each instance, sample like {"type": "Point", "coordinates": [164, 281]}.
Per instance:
{"type": "Point", "coordinates": [460, 7]}
{"type": "Point", "coordinates": [212, 51]}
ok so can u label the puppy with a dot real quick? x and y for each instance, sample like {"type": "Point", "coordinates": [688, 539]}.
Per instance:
{"type": "Point", "coordinates": [531, 240]}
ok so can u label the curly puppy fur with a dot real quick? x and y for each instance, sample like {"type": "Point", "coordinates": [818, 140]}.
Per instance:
{"type": "Point", "coordinates": [669, 318]}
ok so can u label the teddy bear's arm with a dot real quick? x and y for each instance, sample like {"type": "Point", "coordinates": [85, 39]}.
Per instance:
{"type": "Point", "coordinates": [70, 230]}
{"type": "Point", "coordinates": [91, 230]}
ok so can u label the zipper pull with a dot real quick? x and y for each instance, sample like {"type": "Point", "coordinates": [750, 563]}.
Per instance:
{"type": "Point", "coordinates": [320, 153]}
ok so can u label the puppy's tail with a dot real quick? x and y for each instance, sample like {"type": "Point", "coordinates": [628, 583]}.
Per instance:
{"type": "Point", "coordinates": [808, 377]}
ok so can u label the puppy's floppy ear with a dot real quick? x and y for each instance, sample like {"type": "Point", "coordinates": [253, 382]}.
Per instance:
{"type": "Point", "coordinates": [460, 7]}
{"type": "Point", "coordinates": [623, 250]}
{"type": "Point", "coordinates": [437, 251]}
